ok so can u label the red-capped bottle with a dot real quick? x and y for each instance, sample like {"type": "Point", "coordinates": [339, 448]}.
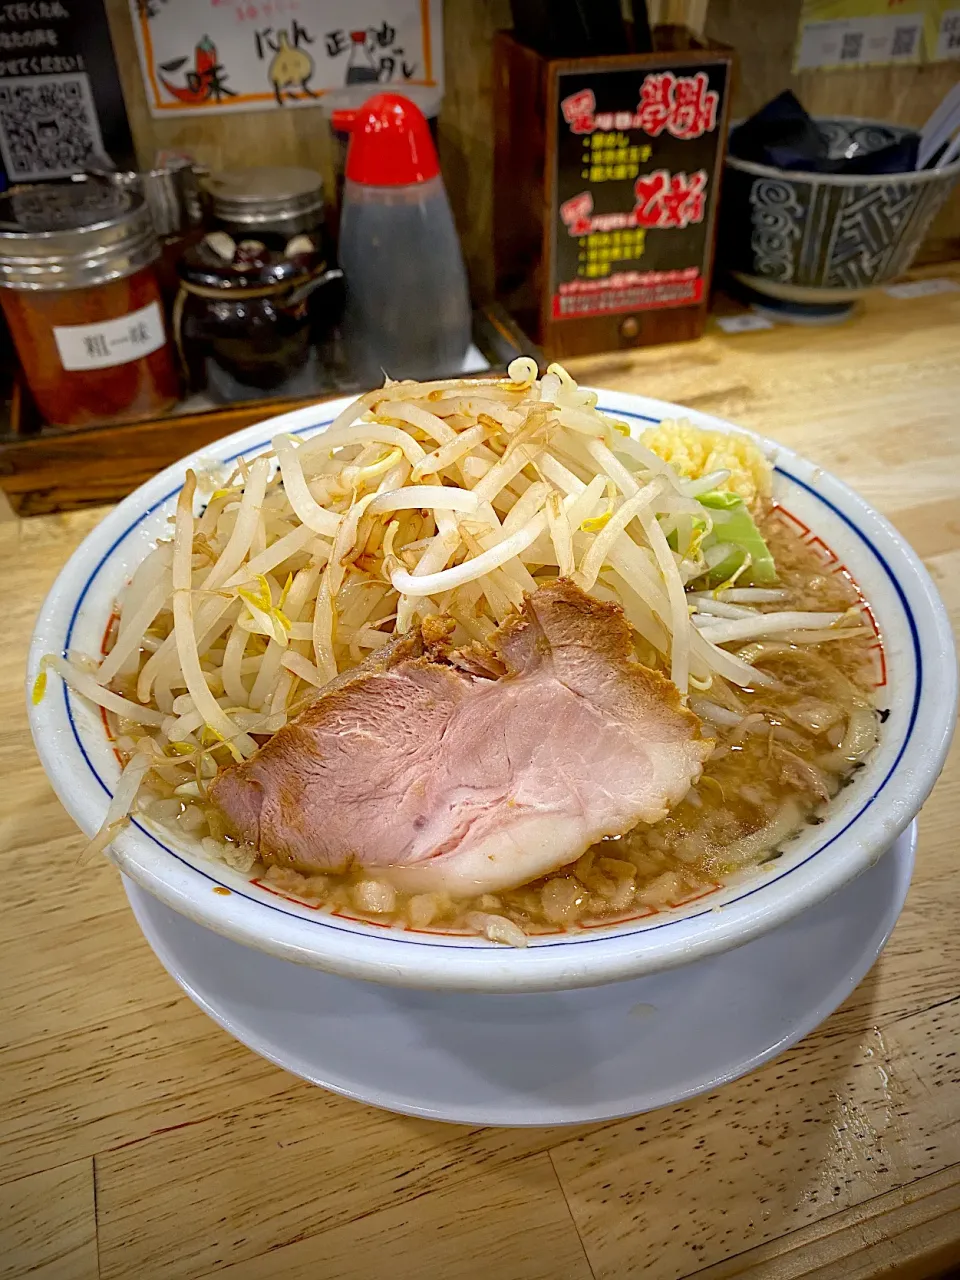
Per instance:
{"type": "Point", "coordinates": [408, 308]}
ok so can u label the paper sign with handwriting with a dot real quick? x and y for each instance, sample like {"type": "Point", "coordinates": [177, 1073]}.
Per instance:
{"type": "Point", "coordinates": [201, 56]}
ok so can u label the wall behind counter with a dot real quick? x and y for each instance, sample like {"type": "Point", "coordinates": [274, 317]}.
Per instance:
{"type": "Point", "coordinates": [763, 35]}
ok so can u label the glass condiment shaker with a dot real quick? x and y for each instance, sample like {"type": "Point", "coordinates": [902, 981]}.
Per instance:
{"type": "Point", "coordinates": [408, 307]}
{"type": "Point", "coordinates": [247, 316]}
{"type": "Point", "coordinates": [81, 297]}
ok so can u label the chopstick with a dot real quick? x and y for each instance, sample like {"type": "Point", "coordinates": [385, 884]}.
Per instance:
{"type": "Point", "coordinates": [939, 128]}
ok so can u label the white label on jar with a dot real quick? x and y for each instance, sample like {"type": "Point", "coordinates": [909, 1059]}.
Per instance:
{"type": "Point", "coordinates": [110, 342]}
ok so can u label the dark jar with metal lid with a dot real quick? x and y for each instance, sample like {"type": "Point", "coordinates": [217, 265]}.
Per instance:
{"type": "Point", "coordinates": [270, 204]}
{"type": "Point", "coordinates": [80, 294]}
{"type": "Point", "coordinates": [247, 316]}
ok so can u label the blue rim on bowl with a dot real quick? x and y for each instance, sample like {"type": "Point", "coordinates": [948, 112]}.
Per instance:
{"type": "Point", "coordinates": [73, 745]}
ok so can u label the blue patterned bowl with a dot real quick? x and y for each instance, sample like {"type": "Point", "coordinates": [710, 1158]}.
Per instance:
{"type": "Point", "coordinates": [826, 238]}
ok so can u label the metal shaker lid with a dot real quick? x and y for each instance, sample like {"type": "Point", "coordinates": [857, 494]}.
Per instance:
{"type": "Point", "coordinates": [71, 235]}
{"type": "Point", "coordinates": [265, 195]}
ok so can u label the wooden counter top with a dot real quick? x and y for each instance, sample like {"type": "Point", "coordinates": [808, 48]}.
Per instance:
{"type": "Point", "coordinates": [139, 1140]}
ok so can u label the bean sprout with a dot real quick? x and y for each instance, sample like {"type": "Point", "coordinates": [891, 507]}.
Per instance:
{"type": "Point", "coordinates": [458, 495]}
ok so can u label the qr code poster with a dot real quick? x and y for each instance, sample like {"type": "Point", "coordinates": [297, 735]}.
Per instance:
{"type": "Point", "coordinates": [200, 56]}
{"type": "Point", "coordinates": [48, 126]}
{"type": "Point", "coordinates": [947, 47]}
{"type": "Point", "coordinates": [863, 33]}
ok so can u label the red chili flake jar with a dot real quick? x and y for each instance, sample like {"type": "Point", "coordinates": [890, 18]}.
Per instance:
{"type": "Point", "coordinates": [80, 294]}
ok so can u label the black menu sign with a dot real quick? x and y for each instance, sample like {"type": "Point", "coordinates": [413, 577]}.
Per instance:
{"type": "Point", "coordinates": [60, 96]}
{"type": "Point", "coordinates": [637, 166]}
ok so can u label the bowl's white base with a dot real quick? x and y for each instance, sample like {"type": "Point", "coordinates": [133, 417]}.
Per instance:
{"type": "Point", "coordinates": [558, 1058]}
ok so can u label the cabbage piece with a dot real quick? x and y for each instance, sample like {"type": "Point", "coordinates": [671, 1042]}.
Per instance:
{"type": "Point", "coordinates": [733, 523]}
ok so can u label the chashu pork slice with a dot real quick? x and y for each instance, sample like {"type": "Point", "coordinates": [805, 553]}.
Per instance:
{"type": "Point", "coordinates": [425, 766]}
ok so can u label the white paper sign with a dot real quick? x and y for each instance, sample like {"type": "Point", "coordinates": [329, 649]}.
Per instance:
{"type": "Point", "coordinates": [948, 36]}
{"type": "Point", "coordinates": [860, 42]}
{"type": "Point", "coordinates": [111, 342]}
{"type": "Point", "coordinates": [200, 56]}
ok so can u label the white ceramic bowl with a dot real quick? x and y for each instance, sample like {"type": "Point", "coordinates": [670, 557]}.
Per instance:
{"type": "Point", "coordinates": [916, 666]}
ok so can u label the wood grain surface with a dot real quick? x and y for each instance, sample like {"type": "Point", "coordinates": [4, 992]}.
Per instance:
{"type": "Point", "coordinates": [138, 1141]}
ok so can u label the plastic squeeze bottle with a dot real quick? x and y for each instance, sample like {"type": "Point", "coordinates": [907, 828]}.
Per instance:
{"type": "Point", "coordinates": [408, 309]}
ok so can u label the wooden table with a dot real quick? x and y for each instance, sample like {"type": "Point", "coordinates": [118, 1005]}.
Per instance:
{"type": "Point", "coordinates": [139, 1140]}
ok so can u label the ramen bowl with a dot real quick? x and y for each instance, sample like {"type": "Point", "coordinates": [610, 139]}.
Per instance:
{"type": "Point", "coordinates": [916, 690]}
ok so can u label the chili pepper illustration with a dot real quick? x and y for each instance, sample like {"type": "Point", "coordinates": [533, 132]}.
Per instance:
{"type": "Point", "coordinates": [206, 80]}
